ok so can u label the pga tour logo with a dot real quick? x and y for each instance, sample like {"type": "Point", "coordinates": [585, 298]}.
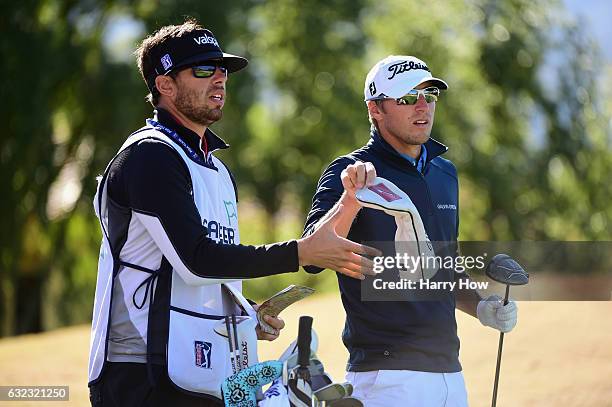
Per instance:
{"type": "Point", "coordinates": [203, 351]}
{"type": "Point", "coordinates": [166, 61]}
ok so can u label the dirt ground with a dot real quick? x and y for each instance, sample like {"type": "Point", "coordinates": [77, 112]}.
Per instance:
{"type": "Point", "coordinates": [560, 354]}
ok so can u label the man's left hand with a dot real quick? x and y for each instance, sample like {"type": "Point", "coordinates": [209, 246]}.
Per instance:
{"type": "Point", "coordinates": [275, 322]}
{"type": "Point", "coordinates": [492, 312]}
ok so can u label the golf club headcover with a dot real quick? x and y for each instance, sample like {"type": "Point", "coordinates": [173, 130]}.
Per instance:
{"type": "Point", "coordinates": [410, 237]}
{"type": "Point", "coordinates": [240, 389]}
{"type": "Point", "coordinates": [492, 312]}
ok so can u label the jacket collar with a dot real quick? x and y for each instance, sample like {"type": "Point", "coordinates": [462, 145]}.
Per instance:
{"type": "Point", "coordinates": [190, 137]}
{"type": "Point", "coordinates": [378, 143]}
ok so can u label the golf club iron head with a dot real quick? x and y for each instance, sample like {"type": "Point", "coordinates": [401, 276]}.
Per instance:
{"type": "Point", "coordinates": [348, 388]}
{"type": "Point", "coordinates": [330, 392]}
{"type": "Point", "coordinates": [345, 402]}
{"type": "Point", "coordinates": [504, 269]}
{"type": "Point", "coordinates": [319, 380]}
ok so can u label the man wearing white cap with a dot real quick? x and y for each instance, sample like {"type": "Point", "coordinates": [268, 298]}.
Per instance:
{"type": "Point", "coordinates": [398, 349]}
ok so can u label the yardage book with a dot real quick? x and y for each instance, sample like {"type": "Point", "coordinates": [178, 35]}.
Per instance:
{"type": "Point", "coordinates": [279, 301]}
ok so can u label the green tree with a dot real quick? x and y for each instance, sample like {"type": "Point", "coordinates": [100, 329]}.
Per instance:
{"type": "Point", "coordinates": [307, 59]}
{"type": "Point", "coordinates": [522, 149]}
{"type": "Point", "coordinates": [70, 105]}
{"type": "Point", "coordinates": [533, 152]}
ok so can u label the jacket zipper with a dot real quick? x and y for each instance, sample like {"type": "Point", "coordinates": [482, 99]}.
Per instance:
{"type": "Point", "coordinates": [429, 200]}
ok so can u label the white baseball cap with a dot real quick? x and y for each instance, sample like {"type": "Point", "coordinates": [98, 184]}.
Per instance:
{"type": "Point", "coordinates": [396, 75]}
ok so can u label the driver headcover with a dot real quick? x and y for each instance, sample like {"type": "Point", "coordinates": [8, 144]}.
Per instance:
{"type": "Point", "coordinates": [410, 238]}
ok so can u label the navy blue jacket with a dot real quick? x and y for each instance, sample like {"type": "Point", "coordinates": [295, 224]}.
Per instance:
{"type": "Point", "coordinates": [397, 335]}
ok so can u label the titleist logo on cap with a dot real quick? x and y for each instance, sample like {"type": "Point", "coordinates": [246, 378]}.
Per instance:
{"type": "Point", "coordinates": [405, 66]}
{"type": "Point", "coordinates": [206, 39]}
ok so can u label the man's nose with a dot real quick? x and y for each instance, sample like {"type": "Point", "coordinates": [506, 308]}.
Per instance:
{"type": "Point", "coordinates": [219, 76]}
{"type": "Point", "coordinates": [421, 104]}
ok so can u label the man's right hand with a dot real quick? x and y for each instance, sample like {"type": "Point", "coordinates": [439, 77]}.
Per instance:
{"type": "Point", "coordinates": [324, 248]}
{"type": "Point", "coordinates": [356, 176]}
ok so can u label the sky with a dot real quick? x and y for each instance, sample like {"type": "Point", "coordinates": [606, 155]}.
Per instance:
{"type": "Point", "coordinates": [597, 15]}
{"type": "Point", "coordinates": [123, 31]}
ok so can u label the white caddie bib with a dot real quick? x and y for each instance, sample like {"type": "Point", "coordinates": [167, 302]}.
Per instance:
{"type": "Point", "coordinates": [198, 357]}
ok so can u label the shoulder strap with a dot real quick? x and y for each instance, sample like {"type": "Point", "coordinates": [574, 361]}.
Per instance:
{"type": "Point", "coordinates": [100, 198]}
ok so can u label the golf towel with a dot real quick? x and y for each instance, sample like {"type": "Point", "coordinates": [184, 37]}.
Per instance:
{"type": "Point", "coordinates": [276, 395]}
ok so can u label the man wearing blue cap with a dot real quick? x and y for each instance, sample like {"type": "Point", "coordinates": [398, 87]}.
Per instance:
{"type": "Point", "coordinates": [401, 351]}
{"type": "Point", "coordinates": [171, 245]}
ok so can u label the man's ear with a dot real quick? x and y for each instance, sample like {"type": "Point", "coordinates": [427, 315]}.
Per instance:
{"type": "Point", "coordinates": [376, 110]}
{"type": "Point", "coordinates": [166, 86]}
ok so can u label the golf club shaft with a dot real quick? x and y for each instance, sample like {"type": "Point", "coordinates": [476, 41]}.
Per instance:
{"type": "Point", "coordinates": [237, 345]}
{"type": "Point", "coordinates": [499, 354]}
{"type": "Point", "coordinates": [231, 345]}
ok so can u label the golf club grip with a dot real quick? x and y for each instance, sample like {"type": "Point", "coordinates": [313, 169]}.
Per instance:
{"type": "Point", "coordinates": [303, 340]}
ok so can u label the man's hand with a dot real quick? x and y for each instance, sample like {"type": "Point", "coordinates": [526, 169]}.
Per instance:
{"type": "Point", "coordinates": [354, 177]}
{"type": "Point", "coordinates": [325, 248]}
{"type": "Point", "coordinates": [275, 322]}
{"type": "Point", "coordinates": [492, 312]}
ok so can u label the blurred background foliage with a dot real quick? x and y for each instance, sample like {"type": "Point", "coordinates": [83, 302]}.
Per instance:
{"type": "Point", "coordinates": [527, 119]}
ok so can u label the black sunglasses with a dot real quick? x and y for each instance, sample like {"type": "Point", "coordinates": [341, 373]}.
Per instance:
{"type": "Point", "coordinates": [207, 69]}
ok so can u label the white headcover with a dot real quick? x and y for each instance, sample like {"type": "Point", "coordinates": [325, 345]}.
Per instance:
{"type": "Point", "coordinates": [410, 238]}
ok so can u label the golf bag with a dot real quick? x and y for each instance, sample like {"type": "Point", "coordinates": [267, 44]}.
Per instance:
{"type": "Point", "coordinates": [298, 379]}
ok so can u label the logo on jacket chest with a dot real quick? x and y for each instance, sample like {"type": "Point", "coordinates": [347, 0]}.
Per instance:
{"type": "Point", "coordinates": [447, 206]}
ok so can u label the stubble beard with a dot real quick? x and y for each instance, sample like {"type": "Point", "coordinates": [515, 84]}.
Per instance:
{"type": "Point", "coordinates": [408, 138]}
{"type": "Point", "coordinates": [189, 102]}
